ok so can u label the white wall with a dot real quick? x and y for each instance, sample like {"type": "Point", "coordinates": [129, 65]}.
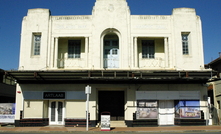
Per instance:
{"type": "Point", "coordinates": [111, 16]}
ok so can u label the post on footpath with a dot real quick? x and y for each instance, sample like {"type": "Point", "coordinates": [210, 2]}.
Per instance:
{"type": "Point", "coordinates": [87, 92]}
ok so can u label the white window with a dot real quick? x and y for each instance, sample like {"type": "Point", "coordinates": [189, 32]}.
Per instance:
{"type": "Point", "coordinates": [185, 43]}
{"type": "Point", "coordinates": [74, 49]}
{"type": "Point", "coordinates": [148, 49]}
{"type": "Point", "coordinates": [36, 44]}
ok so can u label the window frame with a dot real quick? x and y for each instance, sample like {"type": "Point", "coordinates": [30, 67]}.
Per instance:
{"type": "Point", "coordinates": [74, 49]}
{"type": "Point", "coordinates": [148, 49]}
{"type": "Point", "coordinates": [36, 44]}
{"type": "Point", "coordinates": [185, 36]}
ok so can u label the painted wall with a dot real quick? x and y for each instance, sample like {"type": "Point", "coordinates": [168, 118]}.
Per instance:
{"type": "Point", "coordinates": [33, 109]}
{"type": "Point", "coordinates": [76, 107]}
{"type": "Point", "coordinates": [111, 17]}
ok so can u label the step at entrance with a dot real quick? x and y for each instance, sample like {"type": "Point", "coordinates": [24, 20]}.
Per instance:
{"type": "Point", "coordinates": [114, 124]}
{"type": "Point", "coordinates": [117, 124]}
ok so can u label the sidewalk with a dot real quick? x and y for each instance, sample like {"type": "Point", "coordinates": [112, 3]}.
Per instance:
{"type": "Point", "coordinates": [126, 129]}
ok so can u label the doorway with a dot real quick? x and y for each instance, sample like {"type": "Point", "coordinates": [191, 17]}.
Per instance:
{"type": "Point", "coordinates": [56, 112]}
{"type": "Point", "coordinates": [166, 112]}
{"type": "Point", "coordinates": [113, 102]}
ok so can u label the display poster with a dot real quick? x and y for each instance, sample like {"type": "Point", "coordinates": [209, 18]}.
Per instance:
{"type": "Point", "coordinates": [105, 122]}
{"type": "Point", "coordinates": [7, 112]}
{"type": "Point", "coordinates": [147, 110]}
{"type": "Point", "coordinates": [187, 109]}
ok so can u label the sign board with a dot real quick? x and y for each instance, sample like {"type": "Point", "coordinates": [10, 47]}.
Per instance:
{"type": "Point", "coordinates": [54, 95]}
{"type": "Point", "coordinates": [87, 89]}
{"type": "Point", "coordinates": [7, 112]}
{"type": "Point", "coordinates": [105, 122]}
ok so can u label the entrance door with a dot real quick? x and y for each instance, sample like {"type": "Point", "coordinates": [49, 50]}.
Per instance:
{"type": "Point", "coordinates": [111, 54]}
{"type": "Point", "coordinates": [166, 112]}
{"type": "Point", "coordinates": [113, 102]}
{"type": "Point", "coordinates": [56, 113]}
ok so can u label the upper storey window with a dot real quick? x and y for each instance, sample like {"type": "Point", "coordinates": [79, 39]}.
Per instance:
{"type": "Point", "coordinates": [148, 49]}
{"type": "Point", "coordinates": [74, 49]}
{"type": "Point", "coordinates": [36, 44]}
{"type": "Point", "coordinates": [185, 43]}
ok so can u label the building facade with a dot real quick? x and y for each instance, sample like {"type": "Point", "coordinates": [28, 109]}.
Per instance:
{"type": "Point", "coordinates": [143, 69]}
{"type": "Point", "coordinates": [214, 91]}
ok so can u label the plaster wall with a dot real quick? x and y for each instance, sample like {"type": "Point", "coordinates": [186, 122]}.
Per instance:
{"type": "Point", "coordinates": [111, 17]}
{"type": "Point", "coordinates": [19, 102]}
{"type": "Point", "coordinates": [75, 108]}
{"type": "Point", "coordinates": [33, 109]}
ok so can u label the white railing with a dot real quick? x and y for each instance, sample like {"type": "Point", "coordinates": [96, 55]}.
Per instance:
{"type": "Point", "coordinates": [71, 63]}
{"type": "Point", "coordinates": [151, 63]}
{"type": "Point", "coordinates": [111, 63]}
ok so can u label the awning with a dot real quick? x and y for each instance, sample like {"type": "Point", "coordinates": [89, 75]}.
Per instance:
{"type": "Point", "coordinates": [109, 76]}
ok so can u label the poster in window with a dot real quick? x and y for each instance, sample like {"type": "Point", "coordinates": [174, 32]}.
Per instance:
{"type": "Point", "coordinates": [147, 110]}
{"type": "Point", "coordinates": [187, 109]}
{"type": "Point", "coordinates": [7, 112]}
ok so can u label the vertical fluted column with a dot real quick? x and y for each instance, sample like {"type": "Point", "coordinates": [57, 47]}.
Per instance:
{"type": "Point", "coordinates": [56, 52]}
{"type": "Point", "coordinates": [86, 51]}
{"type": "Point", "coordinates": [135, 53]}
{"type": "Point", "coordinates": [166, 53]}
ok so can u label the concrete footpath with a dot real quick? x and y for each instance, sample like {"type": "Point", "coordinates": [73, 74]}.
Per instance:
{"type": "Point", "coordinates": [121, 129]}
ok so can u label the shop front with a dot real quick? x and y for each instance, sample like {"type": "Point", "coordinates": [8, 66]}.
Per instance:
{"type": "Point", "coordinates": [42, 108]}
{"type": "Point", "coordinates": [170, 107]}
{"type": "Point", "coordinates": [138, 99]}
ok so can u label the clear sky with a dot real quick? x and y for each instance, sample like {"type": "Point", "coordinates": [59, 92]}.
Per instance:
{"type": "Point", "coordinates": [12, 12]}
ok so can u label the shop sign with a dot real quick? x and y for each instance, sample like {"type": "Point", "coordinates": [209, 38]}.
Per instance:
{"type": "Point", "coordinates": [7, 112]}
{"type": "Point", "coordinates": [54, 95]}
{"type": "Point", "coordinates": [105, 122]}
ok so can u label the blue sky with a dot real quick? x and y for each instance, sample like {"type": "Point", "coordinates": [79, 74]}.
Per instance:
{"type": "Point", "coordinates": [12, 12]}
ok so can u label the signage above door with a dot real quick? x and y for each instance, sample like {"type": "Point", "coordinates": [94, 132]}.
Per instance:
{"type": "Point", "coordinates": [54, 95]}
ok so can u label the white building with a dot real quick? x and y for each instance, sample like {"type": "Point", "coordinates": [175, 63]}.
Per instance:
{"type": "Point", "coordinates": [143, 69]}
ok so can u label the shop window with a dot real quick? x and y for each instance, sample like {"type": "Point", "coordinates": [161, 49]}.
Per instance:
{"type": "Point", "coordinates": [187, 109]}
{"type": "Point", "coordinates": [147, 109]}
{"type": "Point", "coordinates": [74, 49]}
{"type": "Point", "coordinates": [148, 49]}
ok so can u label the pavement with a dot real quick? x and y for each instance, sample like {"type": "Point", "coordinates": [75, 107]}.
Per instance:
{"type": "Point", "coordinates": [121, 129]}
